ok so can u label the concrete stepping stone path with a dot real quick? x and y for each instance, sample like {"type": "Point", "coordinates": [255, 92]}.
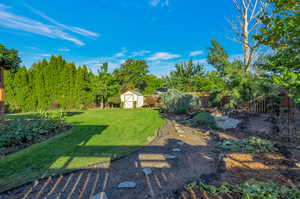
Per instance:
{"type": "Point", "coordinates": [176, 150]}
{"type": "Point", "coordinates": [127, 184]}
{"type": "Point", "coordinates": [167, 156]}
{"type": "Point", "coordinates": [147, 171]}
{"type": "Point", "coordinates": [101, 195]}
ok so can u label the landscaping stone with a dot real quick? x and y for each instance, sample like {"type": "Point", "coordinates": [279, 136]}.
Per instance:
{"type": "Point", "coordinates": [147, 171]}
{"type": "Point", "coordinates": [180, 131]}
{"type": "Point", "coordinates": [127, 184]}
{"type": "Point", "coordinates": [225, 122]}
{"type": "Point", "coordinates": [167, 156]}
{"type": "Point", "coordinates": [101, 195]}
{"type": "Point", "coordinates": [176, 150]}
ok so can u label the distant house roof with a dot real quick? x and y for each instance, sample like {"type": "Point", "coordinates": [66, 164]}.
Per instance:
{"type": "Point", "coordinates": [161, 90]}
{"type": "Point", "coordinates": [135, 92]}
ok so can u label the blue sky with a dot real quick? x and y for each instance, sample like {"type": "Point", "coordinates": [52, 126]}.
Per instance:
{"type": "Point", "coordinates": [163, 32]}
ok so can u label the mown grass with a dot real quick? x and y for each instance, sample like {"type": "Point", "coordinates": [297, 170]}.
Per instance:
{"type": "Point", "coordinates": [97, 135]}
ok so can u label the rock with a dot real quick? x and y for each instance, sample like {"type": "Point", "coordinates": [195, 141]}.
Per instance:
{"type": "Point", "coordinates": [225, 122]}
{"type": "Point", "coordinates": [180, 131]}
{"type": "Point", "coordinates": [180, 143]}
{"type": "Point", "coordinates": [167, 156]}
{"type": "Point", "coordinates": [101, 195]}
{"type": "Point", "coordinates": [147, 171]}
{"type": "Point", "coordinates": [36, 182]}
{"type": "Point", "coordinates": [176, 150]}
{"type": "Point", "coordinates": [127, 184]}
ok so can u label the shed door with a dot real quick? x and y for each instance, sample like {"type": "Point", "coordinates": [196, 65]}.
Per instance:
{"type": "Point", "coordinates": [128, 101]}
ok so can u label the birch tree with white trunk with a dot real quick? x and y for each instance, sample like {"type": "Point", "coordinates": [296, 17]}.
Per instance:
{"type": "Point", "coordinates": [247, 23]}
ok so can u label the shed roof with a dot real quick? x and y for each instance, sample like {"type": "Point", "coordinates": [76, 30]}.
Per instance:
{"type": "Point", "coordinates": [135, 92]}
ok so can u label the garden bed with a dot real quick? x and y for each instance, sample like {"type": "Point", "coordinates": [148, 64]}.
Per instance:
{"type": "Point", "coordinates": [17, 134]}
{"type": "Point", "coordinates": [255, 150]}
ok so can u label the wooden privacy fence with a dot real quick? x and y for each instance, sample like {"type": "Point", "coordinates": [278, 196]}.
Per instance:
{"type": "Point", "coordinates": [151, 101]}
{"type": "Point", "coordinates": [282, 105]}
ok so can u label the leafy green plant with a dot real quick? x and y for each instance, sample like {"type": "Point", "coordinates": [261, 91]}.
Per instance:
{"type": "Point", "coordinates": [24, 131]}
{"type": "Point", "coordinates": [249, 190]}
{"type": "Point", "coordinates": [205, 120]}
{"type": "Point", "coordinates": [175, 101]}
{"type": "Point", "coordinates": [249, 145]}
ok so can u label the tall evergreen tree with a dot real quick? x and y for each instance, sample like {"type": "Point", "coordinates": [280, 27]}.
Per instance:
{"type": "Point", "coordinates": [9, 60]}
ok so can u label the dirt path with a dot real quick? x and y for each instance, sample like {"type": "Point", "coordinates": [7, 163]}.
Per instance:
{"type": "Point", "coordinates": [169, 173]}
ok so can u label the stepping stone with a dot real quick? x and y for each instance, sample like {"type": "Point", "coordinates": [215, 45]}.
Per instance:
{"type": "Point", "coordinates": [101, 195]}
{"type": "Point", "coordinates": [127, 184]}
{"type": "Point", "coordinates": [180, 143]}
{"type": "Point", "coordinates": [176, 150]}
{"type": "Point", "coordinates": [147, 171]}
{"type": "Point", "coordinates": [167, 156]}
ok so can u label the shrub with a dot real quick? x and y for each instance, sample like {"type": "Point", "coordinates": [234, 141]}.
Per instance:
{"type": "Point", "coordinates": [205, 120]}
{"type": "Point", "coordinates": [174, 101]}
{"type": "Point", "coordinates": [24, 131]}
{"type": "Point", "coordinates": [248, 145]}
{"type": "Point", "coordinates": [115, 100]}
{"type": "Point", "coordinates": [250, 190]}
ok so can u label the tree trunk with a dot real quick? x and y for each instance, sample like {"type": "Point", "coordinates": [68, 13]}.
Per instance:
{"type": "Point", "coordinates": [246, 46]}
{"type": "Point", "coordinates": [1, 95]}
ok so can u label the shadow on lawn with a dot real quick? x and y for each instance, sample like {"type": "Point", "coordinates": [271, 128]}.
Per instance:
{"type": "Point", "coordinates": [168, 171]}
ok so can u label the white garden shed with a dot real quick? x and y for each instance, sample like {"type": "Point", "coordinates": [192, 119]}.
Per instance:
{"type": "Point", "coordinates": [132, 99]}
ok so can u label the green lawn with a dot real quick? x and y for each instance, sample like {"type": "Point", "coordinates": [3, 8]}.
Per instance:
{"type": "Point", "coordinates": [97, 135]}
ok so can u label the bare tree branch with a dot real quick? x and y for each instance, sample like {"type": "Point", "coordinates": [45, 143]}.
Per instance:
{"type": "Point", "coordinates": [247, 23]}
{"type": "Point", "coordinates": [253, 9]}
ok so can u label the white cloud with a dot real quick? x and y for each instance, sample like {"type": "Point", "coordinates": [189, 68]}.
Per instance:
{"type": "Point", "coordinates": [236, 57]}
{"type": "Point", "coordinates": [195, 53]}
{"type": "Point", "coordinates": [57, 30]}
{"type": "Point", "coordinates": [154, 2]}
{"type": "Point", "coordinates": [73, 29]}
{"type": "Point", "coordinates": [163, 3]}
{"type": "Point", "coordinates": [140, 53]}
{"type": "Point", "coordinates": [120, 54]}
{"type": "Point", "coordinates": [64, 49]}
{"type": "Point", "coordinates": [44, 55]}
{"type": "Point", "coordinates": [200, 61]}
{"type": "Point", "coordinates": [163, 56]}
{"type": "Point", "coordinates": [95, 63]}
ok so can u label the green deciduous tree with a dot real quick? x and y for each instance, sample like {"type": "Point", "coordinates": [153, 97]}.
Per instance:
{"type": "Point", "coordinates": [185, 76]}
{"type": "Point", "coordinates": [132, 74]}
{"type": "Point", "coordinates": [281, 32]}
{"type": "Point", "coordinates": [231, 77]}
{"type": "Point", "coordinates": [217, 57]}
{"type": "Point", "coordinates": [9, 60]}
{"type": "Point", "coordinates": [105, 85]}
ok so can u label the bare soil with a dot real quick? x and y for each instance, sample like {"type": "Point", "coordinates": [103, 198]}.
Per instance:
{"type": "Point", "coordinates": [282, 166]}
{"type": "Point", "coordinates": [193, 161]}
